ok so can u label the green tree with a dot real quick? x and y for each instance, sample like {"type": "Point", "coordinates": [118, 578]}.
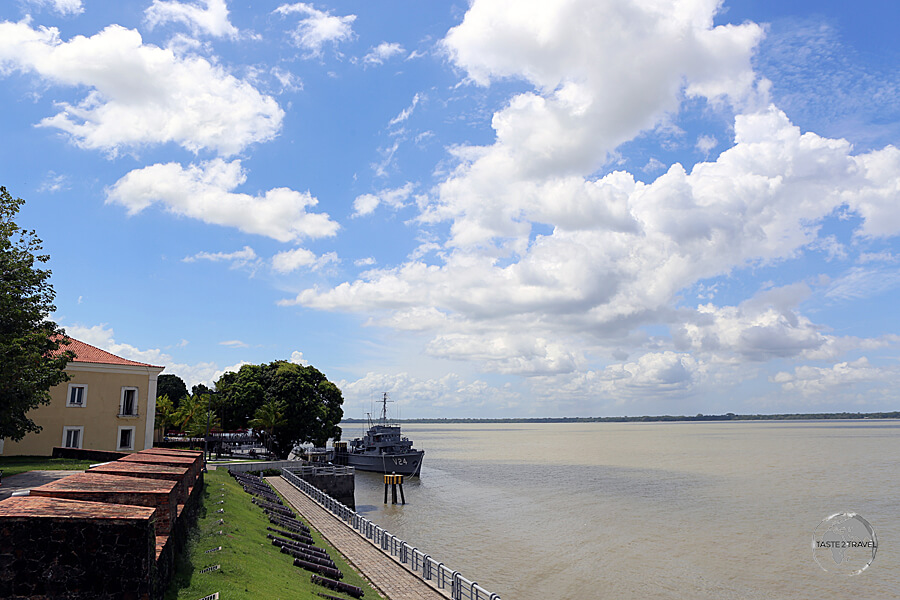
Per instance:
{"type": "Point", "coordinates": [165, 415]}
{"type": "Point", "coordinates": [267, 419]}
{"type": "Point", "coordinates": [312, 404]}
{"type": "Point", "coordinates": [172, 386]}
{"type": "Point", "coordinates": [30, 358]}
{"type": "Point", "coordinates": [191, 416]}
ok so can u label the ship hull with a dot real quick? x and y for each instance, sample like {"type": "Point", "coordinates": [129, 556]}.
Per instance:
{"type": "Point", "coordinates": [408, 463]}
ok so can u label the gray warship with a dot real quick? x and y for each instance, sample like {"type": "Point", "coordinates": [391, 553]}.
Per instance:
{"type": "Point", "coordinates": [382, 449]}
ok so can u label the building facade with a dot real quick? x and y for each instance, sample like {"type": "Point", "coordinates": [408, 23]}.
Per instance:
{"type": "Point", "coordinates": [109, 403]}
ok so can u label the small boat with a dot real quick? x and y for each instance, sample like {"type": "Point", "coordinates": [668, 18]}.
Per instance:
{"type": "Point", "coordinates": [382, 449]}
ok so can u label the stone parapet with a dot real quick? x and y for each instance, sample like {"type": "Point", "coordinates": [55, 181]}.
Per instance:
{"type": "Point", "coordinates": [58, 548]}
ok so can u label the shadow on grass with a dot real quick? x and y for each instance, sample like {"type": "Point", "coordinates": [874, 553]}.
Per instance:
{"type": "Point", "coordinates": [185, 569]}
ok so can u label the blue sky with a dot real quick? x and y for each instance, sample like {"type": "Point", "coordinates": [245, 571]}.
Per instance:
{"type": "Point", "coordinates": [488, 209]}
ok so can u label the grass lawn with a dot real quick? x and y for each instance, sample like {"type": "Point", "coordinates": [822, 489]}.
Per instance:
{"type": "Point", "coordinates": [12, 465]}
{"type": "Point", "coordinates": [251, 567]}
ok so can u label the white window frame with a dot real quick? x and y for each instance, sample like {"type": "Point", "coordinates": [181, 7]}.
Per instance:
{"type": "Point", "coordinates": [122, 402]}
{"type": "Point", "coordinates": [65, 434]}
{"type": "Point", "coordinates": [119, 438]}
{"type": "Point", "coordinates": [83, 395]}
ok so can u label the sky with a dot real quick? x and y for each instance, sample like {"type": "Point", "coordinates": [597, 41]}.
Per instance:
{"type": "Point", "coordinates": [488, 209]}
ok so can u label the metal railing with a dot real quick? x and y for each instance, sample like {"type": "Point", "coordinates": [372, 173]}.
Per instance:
{"type": "Point", "coordinates": [312, 469]}
{"type": "Point", "coordinates": [441, 576]}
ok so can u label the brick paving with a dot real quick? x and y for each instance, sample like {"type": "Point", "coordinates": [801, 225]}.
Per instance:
{"type": "Point", "coordinates": [393, 580]}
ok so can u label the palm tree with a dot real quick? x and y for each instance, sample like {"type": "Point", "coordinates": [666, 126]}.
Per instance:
{"type": "Point", "coordinates": [267, 418]}
{"type": "Point", "coordinates": [165, 415]}
{"type": "Point", "coordinates": [192, 414]}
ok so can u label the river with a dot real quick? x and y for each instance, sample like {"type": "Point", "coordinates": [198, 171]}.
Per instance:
{"type": "Point", "coordinates": [708, 510]}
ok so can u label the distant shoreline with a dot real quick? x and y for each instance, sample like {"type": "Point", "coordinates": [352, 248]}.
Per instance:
{"type": "Point", "coordinates": [648, 419]}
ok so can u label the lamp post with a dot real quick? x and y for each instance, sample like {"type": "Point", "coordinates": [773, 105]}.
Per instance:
{"type": "Point", "coordinates": [206, 439]}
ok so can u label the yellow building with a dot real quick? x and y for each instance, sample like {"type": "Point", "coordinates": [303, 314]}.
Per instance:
{"type": "Point", "coordinates": [109, 403]}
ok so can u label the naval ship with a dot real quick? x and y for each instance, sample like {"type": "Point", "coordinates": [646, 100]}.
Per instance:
{"type": "Point", "coordinates": [381, 449]}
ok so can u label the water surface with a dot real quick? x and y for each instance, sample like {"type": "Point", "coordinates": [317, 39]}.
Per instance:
{"type": "Point", "coordinates": [647, 510]}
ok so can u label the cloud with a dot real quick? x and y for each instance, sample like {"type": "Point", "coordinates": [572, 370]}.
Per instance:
{"type": "Point", "coordinates": [212, 20]}
{"type": "Point", "coordinates": [518, 354]}
{"type": "Point", "coordinates": [140, 94]}
{"type": "Point", "coordinates": [238, 259]}
{"type": "Point", "coordinates": [63, 7]}
{"type": "Point", "coordinates": [818, 381]}
{"type": "Point", "coordinates": [752, 331]}
{"type": "Point", "coordinates": [861, 282]}
{"type": "Point", "coordinates": [317, 27]}
{"type": "Point", "coordinates": [297, 358]}
{"type": "Point", "coordinates": [234, 344]}
{"type": "Point", "coordinates": [382, 52]}
{"type": "Point", "coordinates": [580, 56]}
{"type": "Point", "coordinates": [54, 183]}
{"type": "Point", "coordinates": [706, 143]}
{"type": "Point", "coordinates": [103, 337]}
{"type": "Point", "coordinates": [204, 192]}
{"type": "Point", "coordinates": [396, 198]}
{"type": "Point", "coordinates": [291, 260]}
{"type": "Point", "coordinates": [406, 112]}
{"type": "Point", "coordinates": [654, 165]}
{"type": "Point", "coordinates": [618, 253]}
{"type": "Point", "coordinates": [289, 82]}
{"type": "Point", "coordinates": [451, 391]}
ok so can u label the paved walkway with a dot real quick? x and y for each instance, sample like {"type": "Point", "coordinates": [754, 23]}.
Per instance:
{"type": "Point", "coordinates": [29, 480]}
{"type": "Point", "coordinates": [392, 579]}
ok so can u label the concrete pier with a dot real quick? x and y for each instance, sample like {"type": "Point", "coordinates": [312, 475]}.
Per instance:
{"type": "Point", "coordinates": [337, 482]}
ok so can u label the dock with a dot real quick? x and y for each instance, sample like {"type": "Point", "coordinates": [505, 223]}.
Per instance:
{"type": "Point", "coordinates": [393, 580]}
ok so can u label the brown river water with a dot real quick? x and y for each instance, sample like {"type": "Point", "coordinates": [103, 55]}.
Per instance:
{"type": "Point", "coordinates": [707, 510]}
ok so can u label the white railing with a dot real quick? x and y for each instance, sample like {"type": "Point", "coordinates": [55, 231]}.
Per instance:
{"type": "Point", "coordinates": [441, 576]}
{"type": "Point", "coordinates": [244, 467]}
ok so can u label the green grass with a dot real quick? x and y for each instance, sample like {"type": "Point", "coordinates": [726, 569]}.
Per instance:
{"type": "Point", "coordinates": [251, 567]}
{"type": "Point", "coordinates": [13, 465]}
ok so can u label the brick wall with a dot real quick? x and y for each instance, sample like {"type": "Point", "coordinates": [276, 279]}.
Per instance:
{"type": "Point", "coordinates": [53, 548]}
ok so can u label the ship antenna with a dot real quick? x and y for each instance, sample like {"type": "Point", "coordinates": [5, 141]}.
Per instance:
{"type": "Point", "coordinates": [384, 401]}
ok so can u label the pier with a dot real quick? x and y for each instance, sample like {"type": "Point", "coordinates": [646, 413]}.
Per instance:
{"type": "Point", "coordinates": [392, 579]}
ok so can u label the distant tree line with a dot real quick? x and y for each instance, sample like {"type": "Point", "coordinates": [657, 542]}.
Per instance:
{"type": "Point", "coordinates": [699, 417]}
{"type": "Point", "coordinates": [285, 403]}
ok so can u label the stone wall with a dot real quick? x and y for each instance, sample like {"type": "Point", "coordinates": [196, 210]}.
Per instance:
{"type": "Point", "coordinates": [338, 483]}
{"type": "Point", "coordinates": [86, 454]}
{"type": "Point", "coordinates": [87, 537]}
{"type": "Point", "coordinates": [53, 548]}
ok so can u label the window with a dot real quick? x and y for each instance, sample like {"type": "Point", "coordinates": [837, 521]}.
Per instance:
{"type": "Point", "coordinates": [77, 395]}
{"type": "Point", "coordinates": [129, 404]}
{"type": "Point", "coordinates": [126, 438]}
{"type": "Point", "coordinates": [72, 437]}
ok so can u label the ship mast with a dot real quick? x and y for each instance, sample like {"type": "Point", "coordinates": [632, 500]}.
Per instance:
{"type": "Point", "coordinates": [384, 401]}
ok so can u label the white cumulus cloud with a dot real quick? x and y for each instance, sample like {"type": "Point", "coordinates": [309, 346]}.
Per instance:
{"type": "Point", "coordinates": [139, 93]}
{"type": "Point", "coordinates": [205, 192]}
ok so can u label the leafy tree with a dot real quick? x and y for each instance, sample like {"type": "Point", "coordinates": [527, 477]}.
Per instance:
{"type": "Point", "coordinates": [267, 419]}
{"type": "Point", "coordinates": [191, 416]}
{"type": "Point", "coordinates": [165, 415]}
{"type": "Point", "coordinates": [30, 358]}
{"type": "Point", "coordinates": [312, 404]}
{"type": "Point", "coordinates": [172, 386]}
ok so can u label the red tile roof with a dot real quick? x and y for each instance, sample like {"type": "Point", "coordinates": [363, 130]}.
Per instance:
{"type": "Point", "coordinates": [91, 354]}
